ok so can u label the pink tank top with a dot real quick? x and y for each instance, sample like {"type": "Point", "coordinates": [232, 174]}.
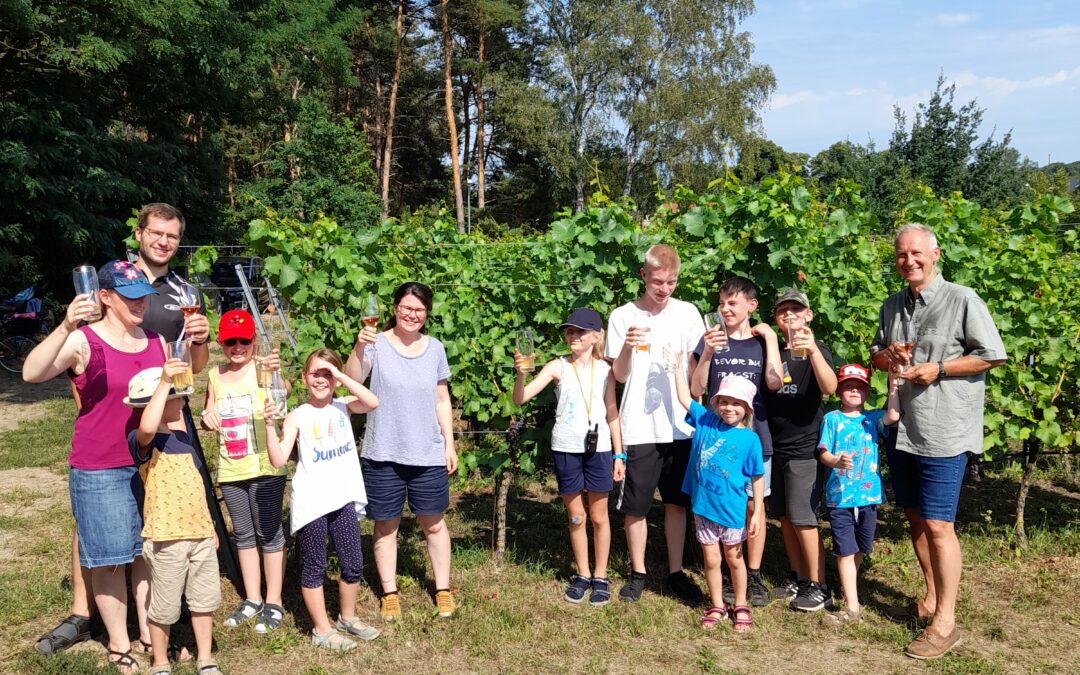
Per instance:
{"type": "Point", "coordinates": [104, 421]}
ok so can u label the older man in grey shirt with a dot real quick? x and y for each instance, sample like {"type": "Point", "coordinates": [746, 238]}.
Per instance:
{"type": "Point", "coordinates": [955, 343]}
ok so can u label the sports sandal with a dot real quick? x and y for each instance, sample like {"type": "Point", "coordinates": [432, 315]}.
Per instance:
{"type": "Point", "coordinates": [71, 631]}
{"type": "Point", "coordinates": [601, 592]}
{"type": "Point", "coordinates": [270, 618]}
{"type": "Point", "coordinates": [124, 662]}
{"type": "Point", "coordinates": [208, 667]}
{"type": "Point", "coordinates": [161, 670]}
{"type": "Point", "coordinates": [713, 616]}
{"type": "Point", "coordinates": [245, 611]}
{"type": "Point", "coordinates": [842, 617]}
{"type": "Point", "coordinates": [332, 640]}
{"type": "Point", "coordinates": [742, 617]}
{"type": "Point", "coordinates": [358, 628]}
{"type": "Point", "coordinates": [575, 592]}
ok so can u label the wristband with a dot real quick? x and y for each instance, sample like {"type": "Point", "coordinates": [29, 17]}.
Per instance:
{"type": "Point", "coordinates": [620, 455]}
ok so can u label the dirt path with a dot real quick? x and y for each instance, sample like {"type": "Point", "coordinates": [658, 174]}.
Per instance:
{"type": "Point", "coordinates": [21, 402]}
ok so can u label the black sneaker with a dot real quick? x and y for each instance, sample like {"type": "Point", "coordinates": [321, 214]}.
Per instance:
{"type": "Point", "coordinates": [684, 588]}
{"type": "Point", "coordinates": [756, 592]}
{"type": "Point", "coordinates": [577, 589]}
{"type": "Point", "coordinates": [728, 591]}
{"type": "Point", "coordinates": [786, 590]}
{"type": "Point", "coordinates": [811, 597]}
{"type": "Point", "coordinates": [631, 590]}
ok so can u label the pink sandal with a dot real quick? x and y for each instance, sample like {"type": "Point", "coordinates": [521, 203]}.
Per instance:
{"type": "Point", "coordinates": [713, 616]}
{"type": "Point", "coordinates": [742, 617]}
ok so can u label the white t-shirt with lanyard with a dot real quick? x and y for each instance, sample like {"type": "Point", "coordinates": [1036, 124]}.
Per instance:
{"type": "Point", "coordinates": [650, 411]}
{"type": "Point", "coordinates": [580, 395]}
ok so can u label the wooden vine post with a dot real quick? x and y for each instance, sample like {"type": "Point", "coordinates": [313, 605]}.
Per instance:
{"type": "Point", "coordinates": [502, 495]}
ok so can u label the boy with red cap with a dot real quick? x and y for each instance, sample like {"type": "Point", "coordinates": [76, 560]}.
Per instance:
{"type": "Point", "coordinates": [849, 446]}
{"type": "Point", "coordinates": [253, 489]}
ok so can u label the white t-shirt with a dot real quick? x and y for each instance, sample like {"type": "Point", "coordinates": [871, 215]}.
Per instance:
{"type": "Point", "coordinates": [328, 470]}
{"type": "Point", "coordinates": [649, 411]}
{"type": "Point", "coordinates": [573, 418]}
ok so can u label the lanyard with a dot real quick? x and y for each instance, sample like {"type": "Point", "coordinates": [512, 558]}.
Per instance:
{"type": "Point", "coordinates": [588, 401]}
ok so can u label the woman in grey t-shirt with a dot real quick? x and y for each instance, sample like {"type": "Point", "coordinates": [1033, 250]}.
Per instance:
{"type": "Point", "coordinates": [408, 448]}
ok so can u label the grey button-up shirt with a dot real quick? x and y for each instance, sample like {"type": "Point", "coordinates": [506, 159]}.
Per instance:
{"type": "Point", "coordinates": [944, 418]}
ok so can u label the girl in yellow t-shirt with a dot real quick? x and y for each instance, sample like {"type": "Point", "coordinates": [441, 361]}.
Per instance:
{"type": "Point", "coordinates": [253, 489]}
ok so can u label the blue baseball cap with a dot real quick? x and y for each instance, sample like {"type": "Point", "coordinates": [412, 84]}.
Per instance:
{"type": "Point", "coordinates": [124, 278]}
{"type": "Point", "coordinates": [583, 318]}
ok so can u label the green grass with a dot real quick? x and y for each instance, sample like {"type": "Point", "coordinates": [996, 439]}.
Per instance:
{"type": "Point", "coordinates": [1012, 605]}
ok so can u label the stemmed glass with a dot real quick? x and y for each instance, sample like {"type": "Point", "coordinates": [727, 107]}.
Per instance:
{"type": "Point", "coordinates": [371, 312]}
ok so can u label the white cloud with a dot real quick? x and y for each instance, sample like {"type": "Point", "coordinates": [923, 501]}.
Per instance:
{"type": "Point", "coordinates": [857, 91]}
{"type": "Point", "coordinates": [1003, 86]}
{"type": "Point", "coordinates": [780, 101]}
{"type": "Point", "coordinates": [1065, 35]}
{"type": "Point", "coordinates": [955, 19]}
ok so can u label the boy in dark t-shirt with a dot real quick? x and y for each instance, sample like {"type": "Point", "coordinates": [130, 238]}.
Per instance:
{"type": "Point", "coordinates": [795, 412]}
{"type": "Point", "coordinates": [734, 348]}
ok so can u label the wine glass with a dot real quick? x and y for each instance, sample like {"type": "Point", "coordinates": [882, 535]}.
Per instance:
{"type": "Point", "coordinates": [371, 312]}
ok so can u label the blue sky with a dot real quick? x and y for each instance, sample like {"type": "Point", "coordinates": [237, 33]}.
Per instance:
{"type": "Point", "coordinates": [841, 65]}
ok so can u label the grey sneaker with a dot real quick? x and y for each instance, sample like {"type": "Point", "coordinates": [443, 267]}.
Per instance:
{"type": "Point", "coordinates": [786, 590]}
{"type": "Point", "coordinates": [811, 597]}
{"type": "Point", "coordinates": [632, 589]}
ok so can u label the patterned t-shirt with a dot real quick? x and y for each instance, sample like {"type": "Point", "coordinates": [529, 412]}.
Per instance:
{"type": "Point", "coordinates": [175, 504]}
{"type": "Point", "coordinates": [723, 459]}
{"type": "Point", "coordinates": [858, 437]}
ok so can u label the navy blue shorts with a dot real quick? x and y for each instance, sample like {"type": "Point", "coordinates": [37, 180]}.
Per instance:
{"type": "Point", "coordinates": [577, 471]}
{"type": "Point", "coordinates": [931, 484]}
{"type": "Point", "coordinates": [853, 529]}
{"type": "Point", "coordinates": [389, 483]}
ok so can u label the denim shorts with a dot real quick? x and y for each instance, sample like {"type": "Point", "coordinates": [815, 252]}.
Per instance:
{"type": "Point", "coordinates": [853, 529]}
{"type": "Point", "coordinates": [389, 483]}
{"type": "Point", "coordinates": [768, 481]}
{"type": "Point", "coordinates": [589, 471]}
{"type": "Point", "coordinates": [932, 484]}
{"type": "Point", "coordinates": [107, 505]}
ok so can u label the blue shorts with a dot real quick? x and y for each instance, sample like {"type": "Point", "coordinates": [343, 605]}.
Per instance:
{"type": "Point", "coordinates": [107, 505]}
{"type": "Point", "coordinates": [768, 481]}
{"type": "Point", "coordinates": [388, 484]}
{"type": "Point", "coordinates": [853, 529]}
{"type": "Point", "coordinates": [577, 471]}
{"type": "Point", "coordinates": [932, 484]}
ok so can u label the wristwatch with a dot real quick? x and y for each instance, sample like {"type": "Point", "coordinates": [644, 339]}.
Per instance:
{"type": "Point", "coordinates": [940, 370]}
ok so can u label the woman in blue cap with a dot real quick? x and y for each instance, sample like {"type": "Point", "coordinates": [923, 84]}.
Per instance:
{"type": "Point", "coordinates": [100, 358]}
{"type": "Point", "coordinates": [586, 432]}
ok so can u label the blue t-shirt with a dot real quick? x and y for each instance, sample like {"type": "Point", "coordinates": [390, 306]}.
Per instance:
{"type": "Point", "coordinates": [745, 358]}
{"type": "Point", "coordinates": [858, 437]}
{"type": "Point", "coordinates": [723, 459]}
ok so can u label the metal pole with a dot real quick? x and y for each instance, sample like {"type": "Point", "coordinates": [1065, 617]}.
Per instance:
{"type": "Point", "coordinates": [256, 313]}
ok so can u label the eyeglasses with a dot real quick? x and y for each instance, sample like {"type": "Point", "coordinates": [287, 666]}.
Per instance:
{"type": "Point", "coordinates": [232, 342]}
{"type": "Point", "coordinates": [156, 234]}
{"type": "Point", "coordinates": [415, 311]}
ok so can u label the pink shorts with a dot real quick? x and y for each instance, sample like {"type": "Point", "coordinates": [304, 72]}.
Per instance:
{"type": "Point", "coordinates": [710, 533]}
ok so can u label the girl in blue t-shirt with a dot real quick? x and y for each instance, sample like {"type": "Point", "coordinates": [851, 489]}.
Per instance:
{"type": "Point", "coordinates": [585, 444]}
{"type": "Point", "coordinates": [724, 457]}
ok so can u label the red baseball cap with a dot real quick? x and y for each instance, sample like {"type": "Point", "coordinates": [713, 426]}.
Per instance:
{"type": "Point", "coordinates": [236, 323]}
{"type": "Point", "coordinates": [853, 371]}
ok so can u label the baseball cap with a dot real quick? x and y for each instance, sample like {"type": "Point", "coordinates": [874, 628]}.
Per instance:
{"type": "Point", "coordinates": [236, 323]}
{"type": "Point", "coordinates": [583, 318]}
{"type": "Point", "coordinates": [737, 387]}
{"type": "Point", "coordinates": [792, 294]}
{"type": "Point", "coordinates": [124, 278]}
{"type": "Point", "coordinates": [142, 386]}
{"type": "Point", "coordinates": [853, 371]}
